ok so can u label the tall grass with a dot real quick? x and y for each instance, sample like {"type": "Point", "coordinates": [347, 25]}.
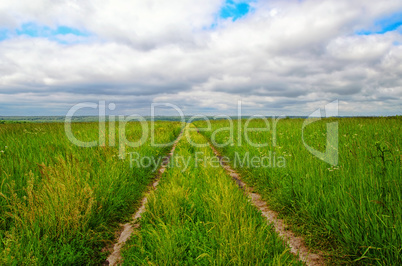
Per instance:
{"type": "Point", "coordinates": [198, 216]}
{"type": "Point", "coordinates": [352, 210]}
{"type": "Point", "coordinates": [60, 203]}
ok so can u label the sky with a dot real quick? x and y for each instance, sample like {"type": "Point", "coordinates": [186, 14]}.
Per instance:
{"type": "Point", "coordinates": [275, 57]}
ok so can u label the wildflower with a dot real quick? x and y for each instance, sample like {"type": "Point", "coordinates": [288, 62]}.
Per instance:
{"type": "Point", "coordinates": [2, 151]}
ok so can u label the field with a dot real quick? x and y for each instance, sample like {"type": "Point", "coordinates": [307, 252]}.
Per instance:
{"type": "Point", "coordinates": [199, 216]}
{"type": "Point", "coordinates": [62, 204]}
{"type": "Point", "coordinates": [352, 210]}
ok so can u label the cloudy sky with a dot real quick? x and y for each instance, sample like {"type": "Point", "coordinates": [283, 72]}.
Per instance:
{"type": "Point", "coordinates": [276, 57]}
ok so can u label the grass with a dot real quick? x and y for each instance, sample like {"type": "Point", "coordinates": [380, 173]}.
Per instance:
{"type": "Point", "coordinates": [60, 203]}
{"type": "Point", "coordinates": [198, 216]}
{"type": "Point", "coordinates": [352, 210]}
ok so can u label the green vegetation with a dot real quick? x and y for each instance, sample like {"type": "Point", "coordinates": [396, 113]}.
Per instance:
{"type": "Point", "coordinates": [198, 216]}
{"type": "Point", "coordinates": [352, 210]}
{"type": "Point", "coordinates": [46, 119]}
{"type": "Point", "coordinates": [59, 203]}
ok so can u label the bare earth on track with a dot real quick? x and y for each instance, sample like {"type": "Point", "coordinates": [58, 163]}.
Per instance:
{"type": "Point", "coordinates": [128, 228]}
{"type": "Point", "coordinates": [295, 243]}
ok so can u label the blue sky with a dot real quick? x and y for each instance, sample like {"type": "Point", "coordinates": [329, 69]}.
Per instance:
{"type": "Point", "coordinates": [385, 24]}
{"type": "Point", "coordinates": [234, 10]}
{"type": "Point", "coordinates": [277, 57]}
{"type": "Point", "coordinates": [34, 30]}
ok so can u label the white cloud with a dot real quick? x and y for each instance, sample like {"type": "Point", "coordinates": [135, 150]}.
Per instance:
{"type": "Point", "coordinates": [284, 57]}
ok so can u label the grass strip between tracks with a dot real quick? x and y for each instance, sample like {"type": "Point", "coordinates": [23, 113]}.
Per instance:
{"type": "Point", "coordinates": [199, 216]}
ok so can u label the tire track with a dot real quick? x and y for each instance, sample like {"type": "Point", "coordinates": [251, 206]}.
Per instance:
{"type": "Point", "coordinates": [128, 228]}
{"type": "Point", "coordinates": [296, 244]}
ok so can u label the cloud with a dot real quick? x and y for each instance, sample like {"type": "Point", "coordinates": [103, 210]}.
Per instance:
{"type": "Point", "coordinates": [284, 57]}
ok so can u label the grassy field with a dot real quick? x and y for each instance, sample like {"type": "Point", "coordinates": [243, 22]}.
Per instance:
{"type": "Point", "coordinates": [352, 210]}
{"type": "Point", "coordinates": [60, 203]}
{"type": "Point", "coordinates": [198, 216]}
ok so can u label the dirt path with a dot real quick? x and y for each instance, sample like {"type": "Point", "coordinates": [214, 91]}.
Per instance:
{"type": "Point", "coordinates": [128, 228]}
{"type": "Point", "coordinates": [296, 244]}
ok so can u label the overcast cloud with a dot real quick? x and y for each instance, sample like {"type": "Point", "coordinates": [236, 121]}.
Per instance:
{"type": "Point", "coordinates": [277, 57]}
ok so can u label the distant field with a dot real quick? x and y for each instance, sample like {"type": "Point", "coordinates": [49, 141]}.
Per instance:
{"type": "Point", "coordinates": [352, 210]}
{"type": "Point", "coordinates": [60, 203]}
{"type": "Point", "coordinates": [56, 119]}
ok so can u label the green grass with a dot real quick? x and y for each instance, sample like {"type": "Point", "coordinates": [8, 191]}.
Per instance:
{"type": "Point", "coordinates": [60, 203]}
{"type": "Point", "coordinates": [352, 210]}
{"type": "Point", "coordinates": [198, 216]}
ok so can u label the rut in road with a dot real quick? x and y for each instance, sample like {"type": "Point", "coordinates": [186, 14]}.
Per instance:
{"type": "Point", "coordinates": [198, 216]}
{"type": "Point", "coordinates": [128, 228]}
{"type": "Point", "coordinates": [297, 244]}
{"type": "Point", "coordinates": [241, 212]}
